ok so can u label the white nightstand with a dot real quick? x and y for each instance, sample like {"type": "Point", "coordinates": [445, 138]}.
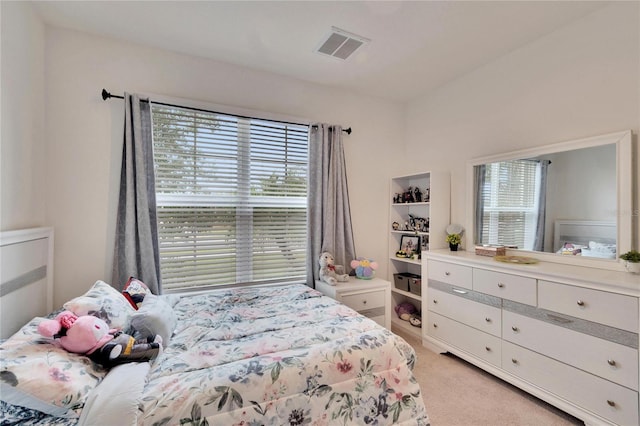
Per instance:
{"type": "Point", "coordinates": [371, 298]}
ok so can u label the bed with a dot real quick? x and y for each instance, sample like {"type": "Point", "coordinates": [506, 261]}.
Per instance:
{"type": "Point", "coordinates": [587, 238]}
{"type": "Point", "coordinates": [269, 355]}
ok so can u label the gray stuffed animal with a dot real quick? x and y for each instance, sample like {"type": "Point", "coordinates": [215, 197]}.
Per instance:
{"type": "Point", "coordinates": [328, 270]}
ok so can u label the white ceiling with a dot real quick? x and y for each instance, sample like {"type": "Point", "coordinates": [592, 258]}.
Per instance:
{"type": "Point", "coordinates": [416, 46]}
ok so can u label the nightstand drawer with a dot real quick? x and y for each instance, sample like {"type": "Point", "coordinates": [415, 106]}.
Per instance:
{"type": "Point", "coordinates": [449, 273]}
{"type": "Point", "coordinates": [507, 286]}
{"type": "Point", "coordinates": [615, 310]}
{"type": "Point", "coordinates": [364, 300]}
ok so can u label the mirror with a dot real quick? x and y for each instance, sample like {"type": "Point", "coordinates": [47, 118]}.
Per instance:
{"type": "Point", "coordinates": [569, 202]}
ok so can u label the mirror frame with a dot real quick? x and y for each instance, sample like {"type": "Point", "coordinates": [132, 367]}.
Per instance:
{"type": "Point", "coordinates": [624, 196]}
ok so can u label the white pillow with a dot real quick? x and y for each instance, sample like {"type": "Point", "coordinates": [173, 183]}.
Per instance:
{"type": "Point", "coordinates": [154, 317]}
{"type": "Point", "coordinates": [105, 302]}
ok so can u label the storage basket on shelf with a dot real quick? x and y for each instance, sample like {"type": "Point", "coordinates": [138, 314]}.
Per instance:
{"type": "Point", "coordinates": [408, 282]}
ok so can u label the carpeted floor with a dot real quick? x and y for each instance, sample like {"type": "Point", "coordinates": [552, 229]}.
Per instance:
{"type": "Point", "coordinates": [457, 393]}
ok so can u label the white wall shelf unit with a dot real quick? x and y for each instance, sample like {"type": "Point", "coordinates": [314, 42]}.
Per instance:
{"type": "Point", "coordinates": [433, 208]}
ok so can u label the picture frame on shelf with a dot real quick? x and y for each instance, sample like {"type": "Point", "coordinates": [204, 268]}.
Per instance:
{"type": "Point", "coordinates": [410, 244]}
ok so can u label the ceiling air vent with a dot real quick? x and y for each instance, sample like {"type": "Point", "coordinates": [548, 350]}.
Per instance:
{"type": "Point", "coordinates": [341, 44]}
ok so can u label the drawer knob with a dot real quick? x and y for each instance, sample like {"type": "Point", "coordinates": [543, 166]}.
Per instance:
{"type": "Point", "coordinates": [611, 403]}
{"type": "Point", "coordinates": [435, 325]}
{"type": "Point", "coordinates": [580, 303]}
{"type": "Point", "coordinates": [364, 302]}
{"type": "Point", "coordinates": [514, 328]}
{"type": "Point", "coordinates": [487, 348]}
{"type": "Point", "coordinates": [513, 360]}
{"type": "Point", "coordinates": [447, 273]}
{"type": "Point", "coordinates": [500, 285]}
{"type": "Point", "coordinates": [435, 301]}
{"type": "Point", "coordinates": [487, 319]}
{"type": "Point", "coordinates": [611, 362]}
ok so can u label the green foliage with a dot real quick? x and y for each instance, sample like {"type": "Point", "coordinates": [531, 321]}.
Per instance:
{"type": "Point", "coordinates": [632, 256]}
{"type": "Point", "coordinates": [454, 239]}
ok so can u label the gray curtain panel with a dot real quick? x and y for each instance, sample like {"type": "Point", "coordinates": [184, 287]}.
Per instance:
{"type": "Point", "coordinates": [136, 247]}
{"type": "Point", "coordinates": [329, 215]}
{"type": "Point", "coordinates": [480, 172]}
{"type": "Point", "coordinates": [538, 242]}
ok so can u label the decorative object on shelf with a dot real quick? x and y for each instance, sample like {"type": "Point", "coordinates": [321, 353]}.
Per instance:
{"type": "Point", "coordinates": [454, 236]}
{"type": "Point", "coordinates": [410, 245]}
{"type": "Point", "coordinates": [405, 310]}
{"type": "Point", "coordinates": [416, 320]}
{"type": "Point", "coordinates": [395, 226]}
{"type": "Point", "coordinates": [328, 269]}
{"type": "Point", "coordinates": [454, 241]}
{"type": "Point", "coordinates": [521, 260]}
{"type": "Point", "coordinates": [491, 250]}
{"type": "Point", "coordinates": [418, 224]}
{"type": "Point", "coordinates": [365, 268]}
{"type": "Point", "coordinates": [631, 261]}
{"type": "Point", "coordinates": [427, 195]}
{"type": "Point", "coordinates": [411, 195]}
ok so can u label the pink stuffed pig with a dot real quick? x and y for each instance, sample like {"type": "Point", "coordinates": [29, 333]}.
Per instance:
{"type": "Point", "coordinates": [91, 336]}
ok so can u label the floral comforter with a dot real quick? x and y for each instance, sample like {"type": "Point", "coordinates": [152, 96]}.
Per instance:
{"type": "Point", "coordinates": [280, 356]}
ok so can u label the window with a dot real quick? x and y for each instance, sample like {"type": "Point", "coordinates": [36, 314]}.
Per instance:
{"type": "Point", "coordinates": [509, 194]}
{"type": "Point", "coordinates": [232, 198]}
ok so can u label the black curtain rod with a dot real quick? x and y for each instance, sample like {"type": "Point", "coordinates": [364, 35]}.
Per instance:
{"type": "Point", "coordinates": [106, 95]}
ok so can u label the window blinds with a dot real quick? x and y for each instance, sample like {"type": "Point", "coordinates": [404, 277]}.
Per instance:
{"type": "Point", "coordinates": [232, 198]}
{"type": "Point", "coordinates": [510, 195]}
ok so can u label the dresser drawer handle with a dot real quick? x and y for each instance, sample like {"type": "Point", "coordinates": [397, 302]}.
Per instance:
{"type": "Point", "coordinates": [435, 325]}
{"type": "Point", "coordinates": [455, 290]}
{"type": "Point", "coordinates": [487, 348]}
{"type": "Point", "coordinates": [447, 273]}
{"type": "Point", "coordinates": [580, 303]}
{"type": "Point", "coordinates": [513, 360]}
{"type": "Point", "coordinates": [514, 328]}
{"type": "Point", "coordinates": [611, 362]}
{"type": "Point", "coordinates": [487, 319]}
{"type": "Point", "coordinates": [611, 403]}
{"type": "Point", "coordinates": [364, 302]}
{"type": "Point", "coordinates": [435, 301]}
{"type": "Point", "coordinates": [500, 285]}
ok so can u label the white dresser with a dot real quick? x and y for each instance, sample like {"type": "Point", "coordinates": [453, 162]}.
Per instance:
{"type": "Point", "coordinates": [566, 334]}
{"type": "Point", "coordinates": [371, 298]}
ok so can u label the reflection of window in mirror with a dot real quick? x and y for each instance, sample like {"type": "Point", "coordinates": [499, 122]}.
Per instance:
{"type": "Point", "coordinates": [510, 203]}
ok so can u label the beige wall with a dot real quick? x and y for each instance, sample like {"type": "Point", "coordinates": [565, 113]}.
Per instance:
{"type": "Point", "coordinates": [22, 144]}
{"type": "Point", "coordinates": [582, 80]}
{"type": "Point", "coordinates": [84, 137]}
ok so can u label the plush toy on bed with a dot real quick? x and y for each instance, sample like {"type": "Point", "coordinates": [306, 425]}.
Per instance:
{"type": "Point", "coordinates": [91, 336]}
{"type": "Point", "coordinates": [328, 270]}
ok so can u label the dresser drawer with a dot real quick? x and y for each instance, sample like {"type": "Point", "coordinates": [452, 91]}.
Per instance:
{"type": "Point", "coordinates": [450, 273]}
{"type": "Point", "coordinates": [506, 286]}
{"type": "Point", "coordinates": [606, 359]}
{"type": "Point", "coordinates": [475, 342]}
{"type": "Point", "coordinates": [364, 300]}
{"type": "Point", "coordinates": [615, 310]}
{"type": "Point", "coordinates": [477, 315]}
{"type": "Point", "coordinates": [614, 402]}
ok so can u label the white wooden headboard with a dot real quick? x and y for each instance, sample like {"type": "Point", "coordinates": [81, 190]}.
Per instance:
{"type": "Point", "coordinates": [26, 277]}
{"type": "Point", "coordinates": [583, 231]}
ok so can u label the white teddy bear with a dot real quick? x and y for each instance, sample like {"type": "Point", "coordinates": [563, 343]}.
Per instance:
{"type": "Point", "coordinates": [328, 270]}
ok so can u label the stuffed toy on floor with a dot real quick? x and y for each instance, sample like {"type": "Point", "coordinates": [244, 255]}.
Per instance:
{"type": "Point", "coordinates": [91, 336]}
{"type": "Point", "coordinates": [328, 270]}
